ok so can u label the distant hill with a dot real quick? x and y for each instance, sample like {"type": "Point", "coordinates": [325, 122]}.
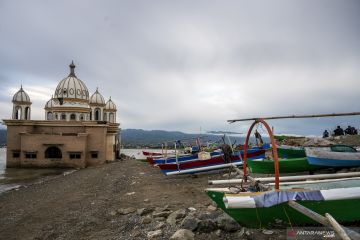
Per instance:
{"type": "Point", "coordinates": [153, 138]}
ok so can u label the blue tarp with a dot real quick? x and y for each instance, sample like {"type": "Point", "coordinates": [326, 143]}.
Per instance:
{"type": "Point", "coordinates": [274, 198]}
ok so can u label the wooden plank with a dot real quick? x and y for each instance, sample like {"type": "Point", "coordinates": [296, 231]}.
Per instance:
{"type": "Point", "coordinates": [337, 227]}
{"type": "Point", "coordinates": [291, 178]}
{"type": "Point", "coordinates": [296, 116]}
{"type": "Point", "coordinates": [320, 219]}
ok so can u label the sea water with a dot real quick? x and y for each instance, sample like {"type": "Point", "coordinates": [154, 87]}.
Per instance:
{"type": "Point", "coordinates": [13, 178]}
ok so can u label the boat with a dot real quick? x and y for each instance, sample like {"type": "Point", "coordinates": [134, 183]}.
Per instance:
{"type": "Point", "coordinates": [145, 153]}
{"type": "Point", "coordinates": [181, 158]}
{"type": "Point", "coordinates": [253, 153]}
{"type": "Point", "coordinates": [333, 156]}
{"type": "Point", "coordinates": [264, 209]}
{"type": "Point", "coordinates": [289, 165]}
{"type": "Point", "coordinates": [204, 162]}
{"type": "Point", "coordinates": [285, 151]}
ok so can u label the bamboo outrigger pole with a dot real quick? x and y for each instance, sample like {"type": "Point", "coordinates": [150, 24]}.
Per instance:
{"type": "Point", "coordinates": [297, 116]}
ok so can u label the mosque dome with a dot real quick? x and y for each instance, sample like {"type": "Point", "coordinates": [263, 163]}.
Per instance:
{"type": "Point", "coordinates": [110, 105]}
{"type": "Point", "coordinates": [97, 99]}
{"type": "Point", "coordinates": [50, 103]}
{"type": "Point", "coordinates": [21, 96]}
{"type": "Point", "coordinates": [71, 87]}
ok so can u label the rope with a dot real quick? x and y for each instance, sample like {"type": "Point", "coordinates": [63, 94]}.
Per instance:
{"type": "Point", "coordinates": [258, 217]}
{"type": "Point", "coordinates": [288, 218]}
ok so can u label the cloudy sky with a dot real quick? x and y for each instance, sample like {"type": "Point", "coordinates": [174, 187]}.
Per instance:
{"type": "Point", "coordinates": [185, 65]}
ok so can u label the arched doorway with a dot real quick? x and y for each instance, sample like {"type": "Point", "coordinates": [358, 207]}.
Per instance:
{"type": "Point", "coordinates": [53, 152]}
{"type": "Point", "coordinates": [97, 114]}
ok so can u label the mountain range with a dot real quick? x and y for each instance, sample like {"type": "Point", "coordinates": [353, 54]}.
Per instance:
{"type": "Point", "coordinates": [154, 138]}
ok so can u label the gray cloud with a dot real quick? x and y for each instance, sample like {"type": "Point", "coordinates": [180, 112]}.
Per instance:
{"type": "Point", "coordinates": [185, 64]}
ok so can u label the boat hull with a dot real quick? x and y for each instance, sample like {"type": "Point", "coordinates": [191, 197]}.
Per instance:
{"type": "Point", "coordinates": [325, 157]}
{"type": "Point", "coordinates": [341, 210]}
{"type": "Point", "coordinates": [290, 165]}
{"type": "Point", "coordinates": [198, 165]}
{"type": "Point", "coordinates": [290, 152]}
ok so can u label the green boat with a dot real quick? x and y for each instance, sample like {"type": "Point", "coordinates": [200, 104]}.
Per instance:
{"type": "Point", "coordinates": [341, 206]}
{"type": "Point", "coordinates": [289, 165]}
{"type": "Point", "coordinates": [290, 152]}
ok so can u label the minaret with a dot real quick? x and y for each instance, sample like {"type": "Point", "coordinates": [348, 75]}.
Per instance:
{"type": "Point", "coordinates": [21, 105]}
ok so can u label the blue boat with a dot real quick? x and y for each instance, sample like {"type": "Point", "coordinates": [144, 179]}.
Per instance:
{"type": "Point", "coordinates": [334, 156]}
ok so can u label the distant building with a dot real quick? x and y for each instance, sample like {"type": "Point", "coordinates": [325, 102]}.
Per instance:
{"type": "Point", "coordinates": [79, 130]}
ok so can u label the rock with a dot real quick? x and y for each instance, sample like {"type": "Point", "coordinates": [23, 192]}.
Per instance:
{"type": "Point", "coordinates": [211, 208]}
{"type": "Point", "coordinates": [160, 219]}
{"type": "Point", "coordinates": [192, 209]}
{"type": "Point", "coordinates": [173, 217]}
{"type": "Point", "coordinates": [144, 211]}
{"type": "Point", "coordinates": [160, 225]}
{"type": "Point", "coordinates": [267, 232]}
{"type": "Point", "coordinates": [113, 213]}
{"type": "Point", "coordinates": [240, 233]}
{"type": "Point", "coordinates": [146, 220]}
{"type": "Point", "coordinates": [190, 222]}
{"type": "Point", "coordinates": [154, 234]}
{"type": "Point", "coordinates": [183, 234]}
{"type": "Point", "coordinates": [227, 224]}
{"type": "Point", "coordinates": [206, 226]}
{"type": "Point", "coordinates": [165, 214]}
{"type": "Point", "coordinates": [146, 200]}
{"type": "Point", "coordinates": [135, 233]}
{"type": "Point", "coordinates": [129, 193]}
{"type": "Point", "coordinates": [125, 211]}
{"type": "Point", "coordinates": [218, 232]}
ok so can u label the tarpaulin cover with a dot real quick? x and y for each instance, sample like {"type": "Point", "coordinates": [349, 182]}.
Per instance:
{"type": "Point", "coordinates": [273, 198]}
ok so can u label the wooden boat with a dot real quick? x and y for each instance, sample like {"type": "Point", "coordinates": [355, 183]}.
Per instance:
{"type": "Point", "coordinates": [334, 156]}
{"type": "Point", "coordinates": [254, 210]}
{"type": "Point", "coordinates": [289, 165]}
{"type": "Point", "coordinates": [253, 153]}
{"type": "Point", "coordinates": [145, 153]}
{"type": "Point", "coordinates": [285, 151]}
{"type": "Point", "coordinates": [201, 164]}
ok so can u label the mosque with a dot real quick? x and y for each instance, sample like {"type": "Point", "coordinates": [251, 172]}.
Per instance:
{"type": "Point", "coordinates": [79, 130]}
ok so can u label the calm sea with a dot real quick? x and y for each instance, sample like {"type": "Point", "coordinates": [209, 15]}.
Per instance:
{"type": "Point", "coordinates": [13, 178]}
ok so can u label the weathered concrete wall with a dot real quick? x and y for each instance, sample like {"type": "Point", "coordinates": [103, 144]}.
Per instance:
{"type": "Point", "coordinates": [40, 142]}
{"type": "Point", "coordinates": [86, 138]}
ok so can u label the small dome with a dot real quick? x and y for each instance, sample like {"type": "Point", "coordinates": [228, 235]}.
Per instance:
{"type": "Point", "coordinates": [110, 105]}
{"type": "Point", "coordinates": [50, 103]}
{"type": "Point", "coordinates": [97, 98]}
{"type": "Point", "coordinates": [21, 96]}
{"type": "Point", "coordinates": [72, 87]}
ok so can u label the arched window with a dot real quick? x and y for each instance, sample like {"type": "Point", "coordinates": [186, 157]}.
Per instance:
{"type": "Point", "coordinates": [63, 116]}
{"type": "Point", "coordinates": [17, 113]}
{"type": "Point", "coordinates": [73, 117]}
{"type": "Point", "coordinates": [56, 117]}
{"type": "Point", "coordinates": [82, 117]}
{"type": "Point", "coordinates": [53, 152]}
{"type": "Point", "coordinates": [97, 114]}
{"type": "Point", "coordinates": [49, 116]}
{"type": "Point", "coordinates": [111, 118]}
{"type": "Point", "coordinates": [27, 113]}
